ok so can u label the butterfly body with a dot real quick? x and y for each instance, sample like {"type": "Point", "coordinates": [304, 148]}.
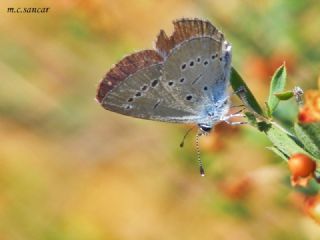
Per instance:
{"type": "Point", "coordinates": [184, 80]}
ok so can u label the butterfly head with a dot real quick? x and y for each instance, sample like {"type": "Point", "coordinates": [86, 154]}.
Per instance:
{"type": "Point", "coordinates": [215, 114]}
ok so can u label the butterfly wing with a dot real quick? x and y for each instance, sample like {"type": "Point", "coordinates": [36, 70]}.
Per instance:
{"type": "Point", "coordinates": [197, 67]}
{"type": "Point", "coordinates": [174, 83]}
{"type": "Point", "coordinates": [134, 88]}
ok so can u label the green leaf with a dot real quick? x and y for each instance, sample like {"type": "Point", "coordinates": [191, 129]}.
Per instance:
{"type": "Point", "coordinates": [278, 152]}
{"type": "Point", "coordinates": [278, 83]}
{"type": "Point", "coordinates": [244, 93]}
{"type": "Point", "coordinates": [309, 135]}
{"type": "Point", "coordinates": [268, 111]}
{"type": "Point", "coordinates": [251, 118]}
{"type": "Point", "coordinates": [283, 140]}
{"type": "Point", "coordinates": [283, 96]}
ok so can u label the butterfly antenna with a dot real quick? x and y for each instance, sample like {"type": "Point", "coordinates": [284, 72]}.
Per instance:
{"type": "Point", "coordinates": [198, 154]}
{"type": "Point", "coordinates": [185, 135]}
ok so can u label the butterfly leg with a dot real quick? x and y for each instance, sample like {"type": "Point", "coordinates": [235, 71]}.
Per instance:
{"type": "Point", "coordinates": [235, 123]}
{"type": "Point", "coordinates": [237, 114]}
{"type": "Point", "coordinates": [236, 106]}
{"type": "Point", "coordinates": [239, 90]}
{"type": "Point", "coordinates": [221, 102]}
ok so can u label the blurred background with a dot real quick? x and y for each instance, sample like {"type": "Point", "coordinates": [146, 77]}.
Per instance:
{"type": "Point", "coordinates": [71, 170]}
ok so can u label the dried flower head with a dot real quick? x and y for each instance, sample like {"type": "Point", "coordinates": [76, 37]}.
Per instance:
{"type": "Point", "coordinates": [310, 111]}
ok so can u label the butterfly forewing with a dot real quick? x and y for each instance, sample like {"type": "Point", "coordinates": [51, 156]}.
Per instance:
{"type": "Point", "coordinates": [142, 95]}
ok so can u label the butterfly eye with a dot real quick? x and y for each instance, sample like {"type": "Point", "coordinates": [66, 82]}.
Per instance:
{"type": "Point", "coordinates": [181, 80]}
{"type": "Point", "coordinates": [205, 88]}
{"type": "Point", "coordinates": [191, 64]}
{"type": "Point", "coordinates": [198, 59]}
{"type": "Point", "coordinates": [205, 62]}
{"type": "Point", "coordinates": [205, 128]}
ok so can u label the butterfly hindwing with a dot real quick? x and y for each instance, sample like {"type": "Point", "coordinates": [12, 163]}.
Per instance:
{"type": "Point", "coordinates": [193, 71]}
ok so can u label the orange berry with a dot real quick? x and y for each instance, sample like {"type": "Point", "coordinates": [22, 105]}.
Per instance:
{"type": "Point", "coordinates": [306, 115]}
{"type": "Point", "coordinates": [301, 165]}
{"type": "Point", "coordinates": [312, 207]}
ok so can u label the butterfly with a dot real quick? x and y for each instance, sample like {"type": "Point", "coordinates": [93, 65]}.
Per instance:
{"type": "Point", "coordinates": [184, 79]}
